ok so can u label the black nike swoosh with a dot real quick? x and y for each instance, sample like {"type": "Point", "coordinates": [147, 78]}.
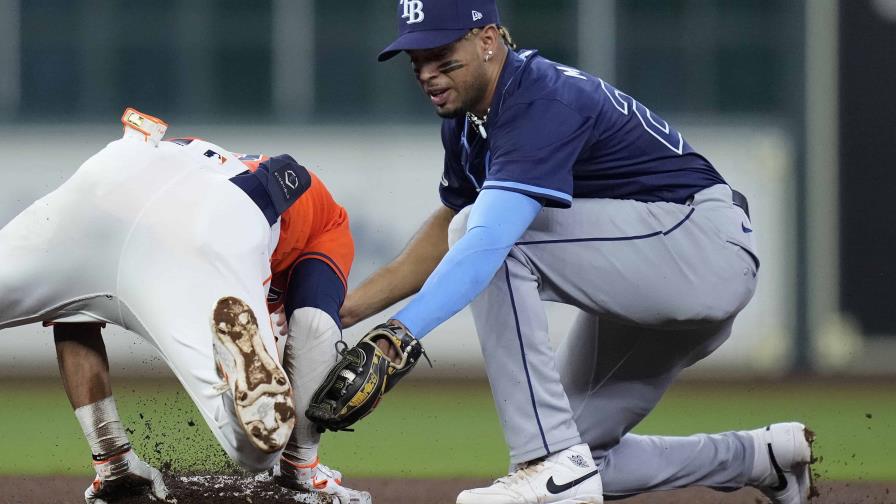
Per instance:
{"type": "Point", "coordinates": [555, 488]}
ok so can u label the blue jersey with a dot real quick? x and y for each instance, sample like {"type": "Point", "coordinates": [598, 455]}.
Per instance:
{"type": "Point", "coordinates": [556, 133]}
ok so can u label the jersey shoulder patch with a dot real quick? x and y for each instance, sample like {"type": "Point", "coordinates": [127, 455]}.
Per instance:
{"type": "Point", "coordinates": [287, 180]}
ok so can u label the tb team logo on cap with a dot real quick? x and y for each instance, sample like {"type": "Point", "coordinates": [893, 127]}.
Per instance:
{"type": "Point", "coordinates": [413, 11]}
{"type": "Point", "coordinates": [425, 24]}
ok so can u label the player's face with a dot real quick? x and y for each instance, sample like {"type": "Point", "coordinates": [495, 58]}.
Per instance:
{"type": "Point", "coordinates": [453, 77]}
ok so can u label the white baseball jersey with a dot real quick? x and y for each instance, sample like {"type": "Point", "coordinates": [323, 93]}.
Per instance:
{"type": "Point", "coordinates": [147, 237]}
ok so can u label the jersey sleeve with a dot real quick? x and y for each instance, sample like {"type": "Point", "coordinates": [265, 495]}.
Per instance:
{"type": "Point", "coordinates": [455, 188]}
{"type": "Point", "coordinates": [533, 150]}
{"type": "Point", "coordinates": [497, 220]}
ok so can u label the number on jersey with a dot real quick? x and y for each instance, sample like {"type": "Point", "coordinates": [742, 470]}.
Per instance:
{"type": "Point", "coordinates": [654, 124]}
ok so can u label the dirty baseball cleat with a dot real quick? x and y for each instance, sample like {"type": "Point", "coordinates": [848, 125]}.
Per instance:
{"type": "Point", "coordinates": [565, 477]}
{"type": "Point", "coordinates": [261, 393]}
{"type": "Point", "coordinates": [125, 475]}
{"type": "Point", "coordinates": [782, 468]}
{"type": "Point", "coordinates": [316, 478]}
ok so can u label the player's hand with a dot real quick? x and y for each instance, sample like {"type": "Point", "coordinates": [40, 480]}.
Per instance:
{"type": "Point", "coordinates": [280, 322]}
{"type": "Point", "coordinates": [389, 347]}
{"type": "Point", "coordinates": [125, 475]}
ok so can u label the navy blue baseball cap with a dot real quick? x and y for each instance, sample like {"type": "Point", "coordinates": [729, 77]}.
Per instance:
{"type": "Point", "coordinates": [425, 24]}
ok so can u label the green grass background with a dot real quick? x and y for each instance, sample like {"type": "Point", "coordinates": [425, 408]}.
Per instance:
{"type": "Point", "coordinates": [443, 430]}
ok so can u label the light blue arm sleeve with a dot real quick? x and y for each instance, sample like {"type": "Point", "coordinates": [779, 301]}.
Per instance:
{"type": "Point", "coordinates": [497, 220]}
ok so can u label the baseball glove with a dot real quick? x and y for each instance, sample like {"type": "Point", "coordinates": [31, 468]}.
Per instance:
{"type": "Point", "coordinates": [355, 385]}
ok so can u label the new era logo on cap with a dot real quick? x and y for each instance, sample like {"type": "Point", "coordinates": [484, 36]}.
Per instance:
{"type": "Point", "coordinates": [477, 15]}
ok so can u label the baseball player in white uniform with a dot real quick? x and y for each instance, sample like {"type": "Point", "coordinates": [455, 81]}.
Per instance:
{"type": "Point", "coordinates": [176, 241]}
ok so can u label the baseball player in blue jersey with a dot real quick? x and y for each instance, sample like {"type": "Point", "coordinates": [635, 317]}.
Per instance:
{"type": "Point", "coordinates": [559, 187]}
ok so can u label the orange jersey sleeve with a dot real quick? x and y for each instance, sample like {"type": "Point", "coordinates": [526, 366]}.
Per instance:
{"type": "Point", "coordinates": [315, 226]}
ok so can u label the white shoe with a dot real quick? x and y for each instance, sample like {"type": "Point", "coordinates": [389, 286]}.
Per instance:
{"type": "Point", "coordinates": [783, 462]}
{"type": "Point", "coordinates": [566, 477]}
{"type": "Point", "coordinates": [259, 387]}
{"type": "Point", "coordinates": [316, 478]}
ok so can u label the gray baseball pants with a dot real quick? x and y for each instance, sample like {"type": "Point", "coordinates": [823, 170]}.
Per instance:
{"type": "Point", "coordinates": [658, 286]}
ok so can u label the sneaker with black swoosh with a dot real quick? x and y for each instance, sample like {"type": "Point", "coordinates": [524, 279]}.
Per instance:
{"type": "Point", "coordinates": [782, 465]}
{"type": "Point", "coordinates": [566, 477]}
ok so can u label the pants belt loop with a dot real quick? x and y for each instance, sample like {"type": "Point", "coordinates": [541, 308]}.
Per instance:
{"type": "Point", "coordinates": [740, 200]}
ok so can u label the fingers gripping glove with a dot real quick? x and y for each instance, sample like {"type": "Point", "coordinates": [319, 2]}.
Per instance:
{"type": "Point", "coordinates": [125, 475]}
{"type": "Point", "coordinates": [355, 385]}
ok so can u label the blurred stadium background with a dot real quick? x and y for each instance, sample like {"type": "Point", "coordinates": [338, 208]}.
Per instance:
{"type": "Point", "coordinates": [791, 100]}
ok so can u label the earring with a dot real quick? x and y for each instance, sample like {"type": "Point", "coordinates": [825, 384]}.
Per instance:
{"type": "Point", "coordinates": [489, 55]}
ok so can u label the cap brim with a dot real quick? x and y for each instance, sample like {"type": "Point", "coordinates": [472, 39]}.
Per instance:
{"type": "Point", "coordinates": [421, 40]}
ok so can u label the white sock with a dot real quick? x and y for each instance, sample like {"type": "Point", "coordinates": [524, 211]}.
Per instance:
{"type": "Point", "coordinates": [309, 354]}
{"type": "Point", "coordinates": [103, 429]}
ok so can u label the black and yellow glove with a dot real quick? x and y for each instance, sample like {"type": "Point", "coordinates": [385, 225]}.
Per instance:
{"type": "Point", "coordinates": [355, 384]}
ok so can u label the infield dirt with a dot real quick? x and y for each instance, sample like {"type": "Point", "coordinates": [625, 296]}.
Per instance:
{"type": "Point", "coordinates": [227, 490]}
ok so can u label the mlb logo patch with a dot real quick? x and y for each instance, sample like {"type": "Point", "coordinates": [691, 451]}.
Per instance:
{"type": "Point", "coordinates": [214, 155]}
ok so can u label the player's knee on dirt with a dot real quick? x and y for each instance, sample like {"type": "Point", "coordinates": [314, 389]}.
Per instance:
{"type": "Point", "coordinates": [458, 227]}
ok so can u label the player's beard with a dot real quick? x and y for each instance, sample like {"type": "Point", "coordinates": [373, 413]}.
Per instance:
{"type": "Point", "coordinates": [471, 95]}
